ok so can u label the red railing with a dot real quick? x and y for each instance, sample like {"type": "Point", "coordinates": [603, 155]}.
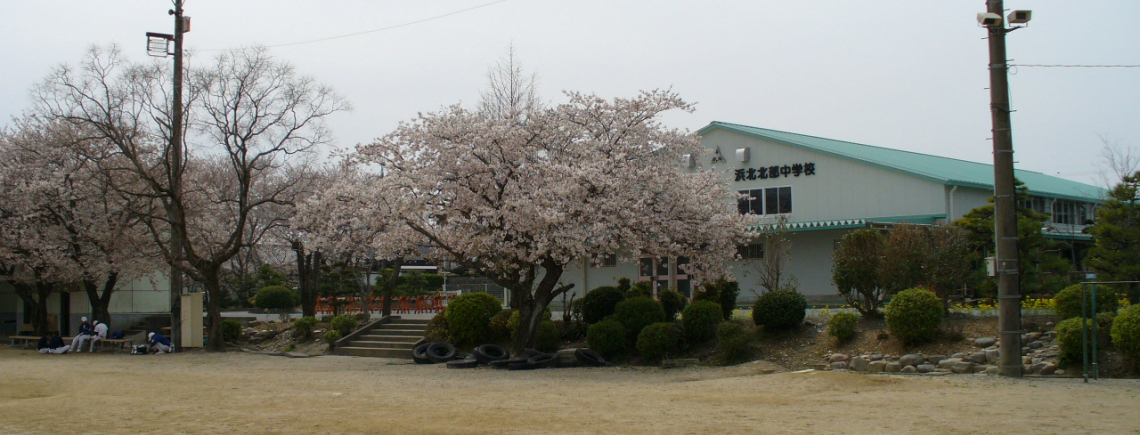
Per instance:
{"type": "Point", "coordinates": [400, 305]}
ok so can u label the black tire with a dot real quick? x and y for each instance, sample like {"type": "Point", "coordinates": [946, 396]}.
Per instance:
{"type": "Point", "coordinates": [503, 363]}
{"type": "Point", "coordinates": [491, 352]}
{"type": "Point", "coordinates": [527, 353]}
{"type": "Point", "coordinates": [419, 354]}
{"type": "Point", "coordinates": [469, 363]}
{"type": "Point", "coordinates": [589, 357]}
{"type": "Point", "coordinates": [543, 361]}
{"type": "Point", "coordinates": [441, 352]}
{"type": "Point", "coordinates": [521, 366]}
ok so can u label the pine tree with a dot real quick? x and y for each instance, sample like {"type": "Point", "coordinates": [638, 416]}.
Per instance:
{"type": "Point", "coordinates": [1116, 256]}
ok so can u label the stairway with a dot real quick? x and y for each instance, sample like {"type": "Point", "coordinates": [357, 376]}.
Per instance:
{"type": "Point", "coordinates": [394, 339]}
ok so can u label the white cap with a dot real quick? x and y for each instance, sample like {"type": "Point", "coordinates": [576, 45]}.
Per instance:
{"type": "Point", "coordinates": [96, 322]}
{"type": "Point", "coordinates": [150, 335]}
{"type": "Point", "coordinates": [83, 319]}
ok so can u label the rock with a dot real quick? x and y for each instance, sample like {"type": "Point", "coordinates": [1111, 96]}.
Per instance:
{"type": "Point", "coordinates": [1025, 350]}
{"type": "Point", "coordinates": [925, 368]}
{"type": "Point", "coordinates": [837, 357]}
{"type": "Point", "coordinates": [876, 366]}
{"type": "Point", "coordinates": [985, 342]}
{"type": "Point", "coordinates": [1026, 368]}
{"type": "Point", "coordinates": [256, 323]}
{"type": "Point", "coordinates": [858, 364]}
{"type": "Point", "coordinates": [992, 356]}
{"type": "Point", "coordinates": [1036, 367]}
{"type": "Point", "coordinates": [993, 370]}
{"type": "Point", "coordinates": [935, 359]}
{"type": "Point", "coordinates": [893, 367]}
{"type": "Point", "coordinates": [912, 359]}
{"type": "Point", "coordinates": [1048, 369]}
{"type": "Point", "coordinates": [1049, 325]}
{"type": "Point", "coordinates": [839, 365]}
{"type": "Point", "coordinates": [962, 367]}
{"type": "Point", "coordinates": [296, 355]}
{"type": "Point", "coordinates": [1035, 345]}
{"type": "Point", "coordinates": [1027, 360]}
{"type": "Point", "coordinates": [566, 358]}
{"type": "Point", "coordinates": [909, 370]}
{"type": "Point", "coordinates": [876, 356]}
{"type": "Point", "coordinates": [958, 355]}
{"type": "Point", "coordinates": [1059, 373]}
{"type": "Point", "coordinates": [1034, 335]}
{"type": "Point", "coordinates": [977, 358]}
{"type": "Point", "coordinates": [948, 362]}
{"type": "Point", "coordinates": [980, 368]}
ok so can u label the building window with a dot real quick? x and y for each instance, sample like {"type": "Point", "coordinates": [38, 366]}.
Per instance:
{"type": "Point", "coordinates": [768, 201]}
{"type": "Point", "coordinates": [1071, 212]}
{"type": "Point", "coordinates": [605, 260]}
{"type": "Point", "coordinates": [753, 251]}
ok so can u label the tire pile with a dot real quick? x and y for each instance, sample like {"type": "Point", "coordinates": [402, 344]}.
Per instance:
{"type": "Point", "coordinates": [497, 357]}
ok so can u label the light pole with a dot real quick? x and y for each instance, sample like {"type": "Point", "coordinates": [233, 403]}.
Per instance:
{"type": "Point", "coordinates": [1005, 201]}
{"type": "Point", "coordinates": [174, 210]}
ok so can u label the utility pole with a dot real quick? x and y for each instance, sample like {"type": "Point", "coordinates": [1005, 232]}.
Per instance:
{"type": "Point", "coordinates": [174, 208]}
{"type": "Point", "coordinates": [1005, 201]}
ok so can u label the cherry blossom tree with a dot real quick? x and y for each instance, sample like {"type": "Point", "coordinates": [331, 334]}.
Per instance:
{"type": "Point", "coordinates": [518, 202]}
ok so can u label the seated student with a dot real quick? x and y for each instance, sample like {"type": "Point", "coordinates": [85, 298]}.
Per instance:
{"type": "Point", "coordinates": [85, 333]}
{"type": "Point", "coordinates": [53, 345]}
{"type": "Point", "coordinates": [159, 343]}
{"type": "Point", "coordinates": [100, 333]}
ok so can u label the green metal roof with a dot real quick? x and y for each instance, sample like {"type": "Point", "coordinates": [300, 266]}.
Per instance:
{"type": "Point", "coordinates": [946, 170]}
{"type": "Point", "coordinates": [838, 224]}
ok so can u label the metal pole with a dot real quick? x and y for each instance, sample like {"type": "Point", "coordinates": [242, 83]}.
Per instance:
{"type": "Point", "coordinates": [1095, 333]}
{"type": "Point", "coordinates": [1084, 333]}
{"type": "Point", "coordinates": [175, 212]}
{"type": "Point", "coordinates": [1005, 218]}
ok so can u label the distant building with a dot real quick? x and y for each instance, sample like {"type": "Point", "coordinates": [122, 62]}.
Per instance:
{"type": "Point", "coordinates": [825, 188]}
{"type": "Point", "coordinates": [132, 301]}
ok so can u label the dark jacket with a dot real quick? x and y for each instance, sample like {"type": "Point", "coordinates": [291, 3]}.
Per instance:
{"type": "Point", "coordinates": [56, 342]}
{"type": "Point", "coordinates": [159, 338]}
{"type": "Point", "coordinates": [43, 342]}
{"type": "Point", "coordinates": [86, 329]}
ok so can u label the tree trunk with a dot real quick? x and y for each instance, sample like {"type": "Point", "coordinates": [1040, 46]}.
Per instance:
{"type": "Point", "coordinates": [215, 339]}
{"type": "Point", "coordinates": [308, 273]}
{"type": "Point", "coordinates": [389, 286]}
{"type": "Point", "coordinates": [35, 297]}
{"type": "Point", "coordinates": [100, 303]}
{"type": "Point", "coordinates": [532, 306]}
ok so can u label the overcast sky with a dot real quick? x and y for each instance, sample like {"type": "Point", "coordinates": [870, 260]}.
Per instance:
{"type": "Point", "coordinates": [903, 74]}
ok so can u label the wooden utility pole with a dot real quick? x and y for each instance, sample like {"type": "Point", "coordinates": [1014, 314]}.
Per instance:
{"type": "Point", "coordinates": [174, 208]}
{"type": "Point", "coordinates": [1005, 201]}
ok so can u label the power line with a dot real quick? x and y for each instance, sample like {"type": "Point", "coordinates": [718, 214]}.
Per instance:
{"type": "Point", "coordinates": [1075, 66]}
{"type": "Point", "coordinates": [376, 30]}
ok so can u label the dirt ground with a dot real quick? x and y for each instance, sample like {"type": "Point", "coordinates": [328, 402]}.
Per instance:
{"type": "Point", "coordinates": [242, 393]}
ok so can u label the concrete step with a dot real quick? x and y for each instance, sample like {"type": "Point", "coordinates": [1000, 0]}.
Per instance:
{"type": "Point", "coordinates": [382, 344]}
{"type": "Point", "coordinates": [374, 336]}
{"type": "Point", "coordinates": [399, 332]}
{"type": "Point", "coordinates": [374, 352]}
{"type": "Point", "coordinates": [410, 324]}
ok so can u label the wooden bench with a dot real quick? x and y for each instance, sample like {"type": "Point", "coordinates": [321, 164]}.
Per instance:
{"type": "Point", "coordinates": [30, 340]}
{"type": "Point", "coordinates": [124, 343]}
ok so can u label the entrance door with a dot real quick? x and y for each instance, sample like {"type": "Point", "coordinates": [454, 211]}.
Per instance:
{"type": "Point", "coordinates": [662, 273]}
{"type": "Point", "coordinates": [684, 284]}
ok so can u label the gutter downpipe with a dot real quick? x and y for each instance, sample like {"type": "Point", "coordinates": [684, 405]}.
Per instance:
{"type": "Point", "coordinates": [950, 213]}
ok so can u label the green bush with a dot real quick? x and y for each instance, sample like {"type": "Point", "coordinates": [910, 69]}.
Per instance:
{"type": "Point", "coordinates": [842, 326]}
{"type": "Point", "coordinates": [915, 315]}
{"type": "Point", "coordinates": [1069, 338]}
{"type": "Point", "coordinates": [673, 302]}
{"type": "Point", "coordinates": [1067, 302]}
{"type": "Point", "coordinates": [607, 338]}
{"type": "Point", "coordinates": [1126, 333]}
{"type": "Point", "coordinates": [276, 297]}
{"type": "Point", "coordinates": [469, 317]}
{"type": "Point", "coordinates": [303, 327]}
{"type": "Point", "coordinates": [344, 324]}
{"type": "Point", "coordinates": [640, 289]}
{"type": "Point", "coordinates": [515, 318]}
{"type": "Point", "coordinates": [231, 330]}
{"type": "Point", "coordinates": [599, 303]}
{"type": "Point", "coordinates": [637, 313]}
{"type": "Point", "coordinates": [437, 329]}
{"type": "Point", "coordinates": [499, 328]}
{"type": "Point", "coordinates": [721, 291]}
{"type": "Point", "coordinates": [735, 341]}
{"type": "Point", "coordinates": [658, 340]}
{"type": "Point", "coordinates": [546, 339]}
{"type": "Point", "coordinates": [331, 337]}
{"type": "Point", "coordinates": [700, 320]}
{"type": "Point", "coordinates": [779, 310]}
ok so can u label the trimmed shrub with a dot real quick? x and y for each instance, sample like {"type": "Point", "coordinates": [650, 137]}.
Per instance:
{"type": "Point", "coordinates": [673, 302]}
{"type": "Point", "coordinates": [779, 310]}
{"type": "Point", "coordinates": [1126, 333]}
{"type": "Point", "coordinates": [658, 340]}
{"type": "Point", "coordinates": [469, 317]}
{"type": "Point", "coordinates": [499, 328]}
{"type": "Point", "coordinates": [842, 326]}
{"type": "Point", "coordinates": [623, 285]}
{"type": "Point", "coordinates": [231, 330]}
{"type": "Point", "coordinates": [1069, 337]}
{"type": "Point", "coordinates": [915, 315]}
{"type": "Point", "coordinates": [303, 327]}
{"type": "Point", "coordinates": [275, 297]}
{"type": "Point", "coordinates": [735, 341]}
{"type": "Point", "coordinates": [607, 338]}
{"type": "Point", "coordinates": [437, 329]}
{"type": "Point", "coordinates": [546, 339]}
{"type": "Point", "coordinates": [343, 323]}
{"type": "Point", "coordinates": [515, 318]}
{"type": "Point", "coordinates": [640, 289]}
{"type": "Point", "coordinates": [599, 303]}
{"type": "Point", "coordinates": [331, 337]}
{"type": "Point", "coordinates": [1067, 302]}
{"type": "Point", "coordinates": [721, 291]}
{"type": "Point", "coordinates": [700, 320]}
{"type": "Point", "coordinates": [637, 313]}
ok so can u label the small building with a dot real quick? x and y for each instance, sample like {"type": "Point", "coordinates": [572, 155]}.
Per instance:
{"type": "Point", "coordinates": [823, 188]}
{"type": "Point", "coordinates": [131, 301]}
